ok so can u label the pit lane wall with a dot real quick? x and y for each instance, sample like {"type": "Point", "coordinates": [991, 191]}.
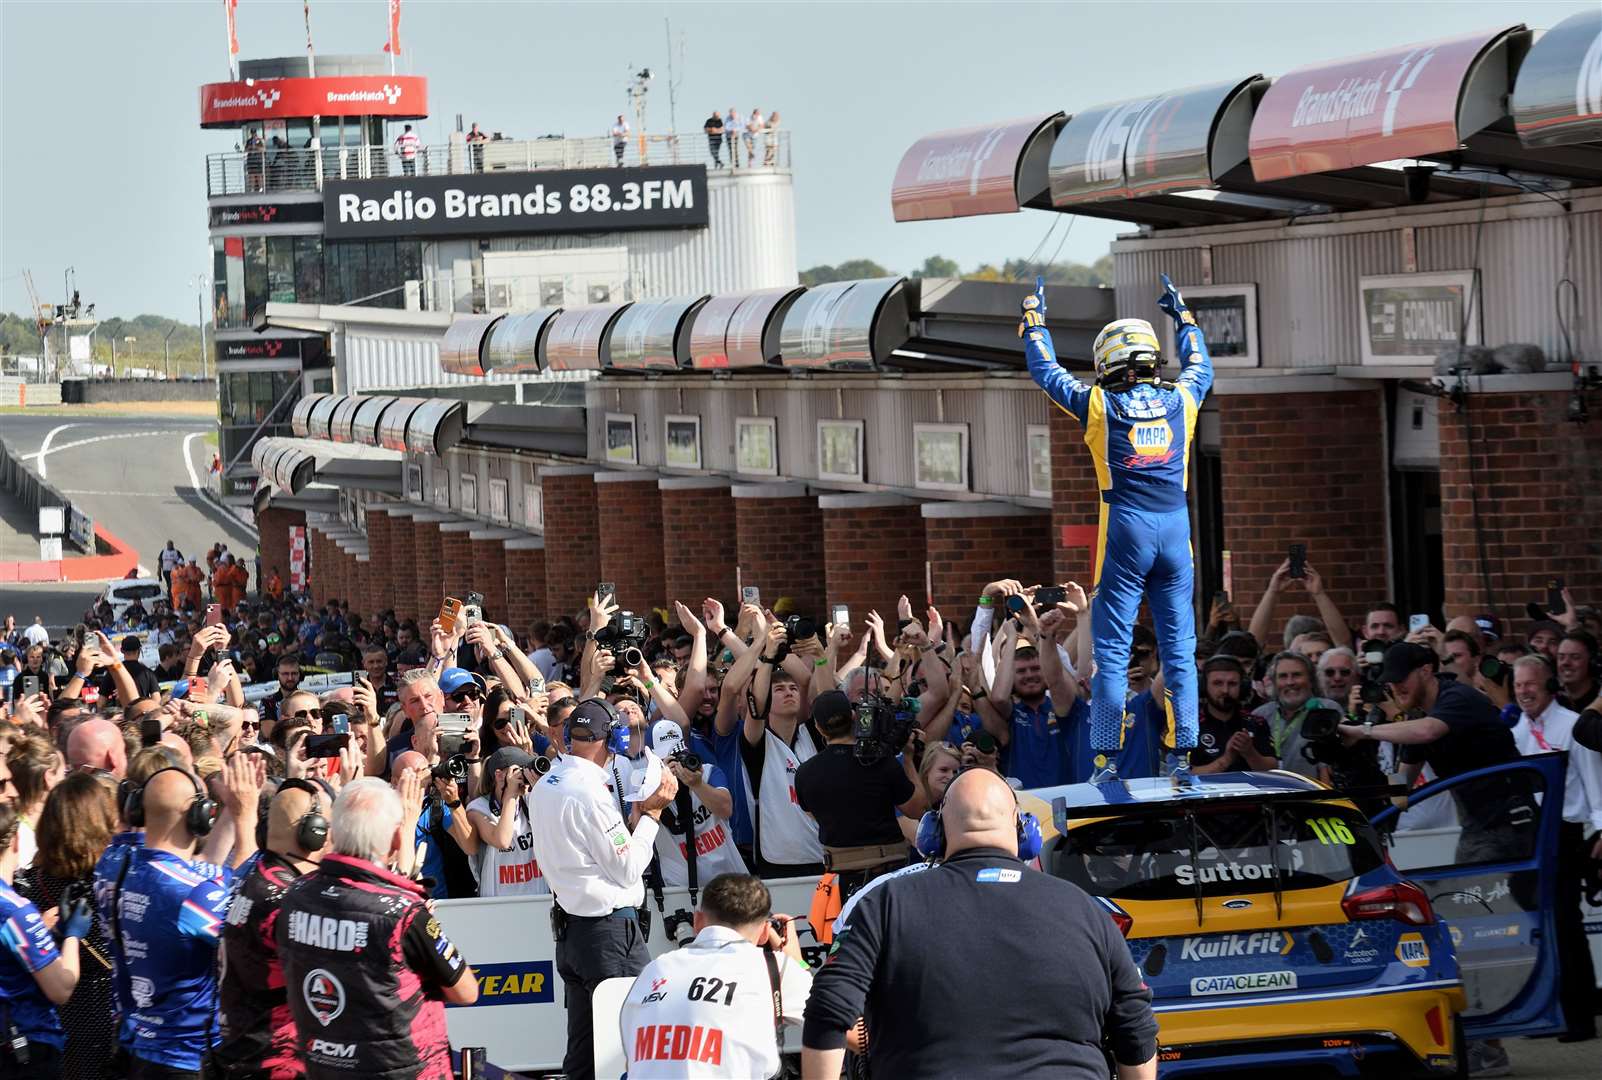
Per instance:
{"type": "Point", "coordinates": [519, 1018]}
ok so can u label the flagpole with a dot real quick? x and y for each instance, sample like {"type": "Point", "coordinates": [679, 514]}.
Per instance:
{"type": "Point", "coordinates": [311, 72]}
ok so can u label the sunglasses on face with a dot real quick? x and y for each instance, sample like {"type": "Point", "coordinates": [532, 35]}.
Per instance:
{"type": "Point", "coordinates": [306, 714]}
{"type": "Point", "coordinates": [249, 724]}
{"type": "Point", "coordinates": [466, 694]}
{"type": "Point", "coordinates": [1346, 671]}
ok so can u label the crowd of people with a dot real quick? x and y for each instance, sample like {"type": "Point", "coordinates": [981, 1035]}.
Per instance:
{"type": "Point", "coordinates": [173, 773]}
{"type": "Point", "coordinates": [728, 131]}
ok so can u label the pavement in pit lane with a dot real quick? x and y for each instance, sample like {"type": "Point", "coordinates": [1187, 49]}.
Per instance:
{"type": "Point", "coordinates": [129, 474]}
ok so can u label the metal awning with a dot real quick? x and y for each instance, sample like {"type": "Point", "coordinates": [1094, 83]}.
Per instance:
{"type": "Point", "coordinates": [988, 169]}
{"type": "Point", "coordinates": [300, 418]}
{"type": "Point", "coordinates": [339, 424]}
{"type": "Point", "coordinates": [846, 325]}
{"type": "Point", "coordinates": [1411, 102]}
{"type": "Point", "coordinates": [650, 335]}
{"type": "Point", "coordinates": [577, 338]}
{"type": "Point", "coordinates": [1557, 98]}
{"type": "Point", "coordinates": [369, 414]}
{"type": "Point", "coordinates": [435, 425]}
{"type": "Point", "coordinates": [461, 351]}
{"type": "Point", "coordinates": [516, 341]}
{"type": "Point", "coordinates": [740, 330]}
{"type": "Point", "coordinates": [291, 465]}
{"type": "Point", "coordinates": [320, 418]}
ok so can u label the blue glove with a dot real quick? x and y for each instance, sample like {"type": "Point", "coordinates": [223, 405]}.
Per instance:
{"type": "Point", "coordinates": [77, 915]}
{"type": "Point", "coordinates": [1034, 307]}
{"type": "Point", "coordinates": [1174, 304]}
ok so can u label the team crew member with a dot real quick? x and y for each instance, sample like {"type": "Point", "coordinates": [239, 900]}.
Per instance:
{"type": "Point", "coordinates": [258, 1032]}
{"type": "Point", "coordinates": [1139, 430]}
{"type": "Point", "coordinates": [595, 864]}
{"type": "Point", "coordinates": [366, 966]}
{"type": "Point", "coordinates": [166, 921]}
{"type": "Point", "coordinates": [713, 1008]}
{"type": "Point", "coordinates": [35, 974]}
{"type": "Point", "coordinates": [1044, 1002]}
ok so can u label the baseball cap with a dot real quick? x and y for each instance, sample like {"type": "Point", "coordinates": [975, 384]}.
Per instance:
{"type": "Point", "coordinates": [667, 738]}
{"type": "Point", "coordinates": [1404, 658]}
{"type": "Point", "coordinates": [453, 679]}
{"type": "Point", "coordinates": [594, 715]}
{"type": "Point", "coordinates": [1489, 626]}
{"type": "Point", "coordinates": [830, 705]}
{"type": "Point", "coordinates": [507, 757]}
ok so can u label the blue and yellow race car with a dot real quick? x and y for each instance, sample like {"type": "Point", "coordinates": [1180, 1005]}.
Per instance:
{"type": "Point", "coordinates": [1274, 930]}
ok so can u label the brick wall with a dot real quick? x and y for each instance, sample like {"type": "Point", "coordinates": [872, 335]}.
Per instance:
{"type": "Point", "coordinates": [273, 525]}
{"type": "Point", "coordinates": [970, 545]}
{"type": "Point", "coordinates": [779, 544]}
{"type": "Point", "coordinates": [629, 512]}
{"type": "Point", "coordinates": [381, 561]}
{"type": "Point", "coordinates": [456, 559]}
{"type": "Point", "coordinates": [1075, 501]}
{"type": "Point", "coordinates": [489, 574]}
{"type": "Point", "coordinates": [1540, 499]}
{"type": "Point", "coordinates": [573, 561]}
{"type": "Point", "coordinates": [323, 569]}
{"type": "Point", "coordinates": [364, 585]}
{"type": "Point", "coordinates": [525, 585]}
{"type": "Point", "coordinates": [403, 558]}
{"type": "Point", "coordinates": [873, 553]}
{"type": "Point", "coordinates": [1305, 467]}
{"type": "Point", "coordinates": [428, 572]}
{"type": "Point", "coordinates": [701, 544]}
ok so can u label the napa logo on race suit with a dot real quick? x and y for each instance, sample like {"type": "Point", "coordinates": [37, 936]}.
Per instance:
{"type": "Point", "coordinates": [530, 982]}
{"type": "Point", "coordinates": [1151, 438]}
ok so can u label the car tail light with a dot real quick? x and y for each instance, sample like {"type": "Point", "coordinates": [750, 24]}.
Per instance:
{"type": "Point", "coordinates": [1123, 920]}
{"type": "Point", "coordinates": [1436, 1018]}
{"type": "Point", "coordinates": [1403, 901]}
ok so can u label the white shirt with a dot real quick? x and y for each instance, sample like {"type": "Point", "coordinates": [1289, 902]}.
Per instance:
{"type": "Point", "coordinates": [589, 859]}
{"type": "Point", "coordinates": [406, 144]}
{"type": "Point", "coordinates": [545, 660]}
{"type": "Point", "coordinates": [732, 123]}
{"type": "Point", "coordinates": [706, 1010]}
{"type": "Point", "coordinates": [170, 559]}
{"type": "Point", "coordinates": [620, 131]}
{"type": "Point", "coordinates": [1553, 729]}
{"type": "Point", "coordinates": [36, 634]}
{"type": "Point", "coordinates": [715, 852]}
{"type": "Point", "coordinates": [515, 871]}
{"type": "Point", "coordinates": [785, 833]}
{"type": "Point", "coordinates": [754, 124]}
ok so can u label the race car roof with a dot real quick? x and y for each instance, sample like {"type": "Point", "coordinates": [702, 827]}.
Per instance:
{"type": "Point", "coordinates": [1151, 791]}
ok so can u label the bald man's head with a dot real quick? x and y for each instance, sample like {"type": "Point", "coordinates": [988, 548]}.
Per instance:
{"type": "Point", "coordinates": [97, 744]}
{"type": "Point", "coordinates": [411, 759]}
{"type": "Point", "coordinates": [168, 796]}
{"type": "Point", "coordinates": [980, 811]}
{"type": "Point", "coordinates": [284, 814]}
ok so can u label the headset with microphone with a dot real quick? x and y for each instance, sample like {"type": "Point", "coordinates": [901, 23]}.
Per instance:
{"type": "Point", "coordinates": [311, 831]}
{"type": "Point", "coordinates": [931, 843]}
{"type": "Point", "coordinates": [198, 818]}
{"type": "Point", "coordinates": [609, 725]}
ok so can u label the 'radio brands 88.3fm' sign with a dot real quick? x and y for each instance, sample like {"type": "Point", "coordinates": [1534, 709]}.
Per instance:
{"type": "Point", "coordinates": [551, 201]}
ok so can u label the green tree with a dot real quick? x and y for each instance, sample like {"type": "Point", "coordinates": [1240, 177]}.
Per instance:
{"type": "Point", "coordinates": [938, 266]}
{"type": "Point", "coordinates": [850, 270]}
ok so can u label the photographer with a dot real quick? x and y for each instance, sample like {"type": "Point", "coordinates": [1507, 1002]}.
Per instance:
{"type": "Point", "coordinates": [504, 822]}
{"type": "Point", "coordinates": [451, 839]}
{"type": "Point", "coordinates": [853, 789]}
{"type": "Point", "coordinates": [699, 818]}
{"type": "Point", "coordinates": [1229, 738]}
{"type": "Point", "coordinates": [714, 1007]}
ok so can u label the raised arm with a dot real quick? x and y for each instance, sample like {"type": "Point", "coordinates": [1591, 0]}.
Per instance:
{"type": "Point", "coordinates": [1334, 622]}
{"type": "Point", "coordinates": [756, 719]}
{"type": "Point", "coordinates": [1195, 365]}
{"type": "Point", "coordinates": [694, 687]}
{"type": "Point", "coordinates": [1066, 391]}
{"type": "Point", "coordinates": [1263, 616]}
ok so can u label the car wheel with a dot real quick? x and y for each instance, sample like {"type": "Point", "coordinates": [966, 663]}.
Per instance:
{"type": "Point", "coordinates": [1460, 1050]}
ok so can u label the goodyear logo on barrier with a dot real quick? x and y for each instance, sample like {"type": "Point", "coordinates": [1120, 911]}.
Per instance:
{"type": "Point", "coordinates": [1412, 951]}
{"type": "Point", "coordinates": [529, 983]}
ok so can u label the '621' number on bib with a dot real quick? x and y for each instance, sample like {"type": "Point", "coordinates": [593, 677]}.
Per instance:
{"type": "Point", "coordinates": [707, 988]}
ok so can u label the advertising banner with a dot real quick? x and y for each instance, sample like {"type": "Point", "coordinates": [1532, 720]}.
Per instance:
{"type": "Point", "coordinates": [547, 201]}
{"type": "Point", "coordinates": [1227, 315]}
{"type": "Point", "coordinates": [260, 348]}
{"type": "Point", "coordinates": [297, 558]}
{"type": "Point", "coordinates": [230, 103]}
{"type": "Point", "coordinates": [1412, 318]}
{"type": "Point", "coordinates": [1557, 100]}
{"type": "Point", "coordinates": [81, 529]}
{"type": "Point", "coordinates": [262, 213]}
{"type": "Point", "coordinates": [964, 172]}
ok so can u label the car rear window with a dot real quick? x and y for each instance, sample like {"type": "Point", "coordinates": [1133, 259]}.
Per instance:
{"type": "Point", "coordinates": [137, 592]}
{"type": "Point", "coordinates": [1218, 851]}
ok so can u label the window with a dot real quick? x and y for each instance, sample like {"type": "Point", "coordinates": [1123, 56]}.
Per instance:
{"type": "Point", "coordinates": [469, 494]}
{"type": "Point", "coordinates": [255, 277]}
{"type": "Point", "coordinates": [534, 506]}
{"type": "Point", "coordinates": [228, 282]}
{"type": "Point", "coordinates": [381, 276]}
{"type": "Point", "coordinates": [940, 456]}
{"type": "Point", "coordinates": [1038, 439]}
{"type": "Point", "coordinates": [414, 481]}
{"type": "Point", "coordinates": [308, 269]}
{"type": "Point", "coordinates": [498, 500]}
{"type": "Point", "coordinates": [281, 269]}
{"type": "Point", "coordinates": [840, 450]}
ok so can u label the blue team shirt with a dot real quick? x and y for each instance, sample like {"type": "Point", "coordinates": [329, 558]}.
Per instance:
{"type": "Point", "coordinates": [26, 946]}
{"type": "Point", "coordinates": [107, 870]}
{"type": "Point", "coordinates": [965, 727]}
{"type": "Point", "coordinates": [1037, 755]}
{"type": "Point", "coordinates": [433, 857]}
{"type": "Point", "coordinates": [1140, 750]}
{"type": "Point", "coordinates": [171, 916]}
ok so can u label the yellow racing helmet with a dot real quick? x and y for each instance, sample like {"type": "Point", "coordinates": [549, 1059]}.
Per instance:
{"type": "Point", "coordinates": [1125, 350]}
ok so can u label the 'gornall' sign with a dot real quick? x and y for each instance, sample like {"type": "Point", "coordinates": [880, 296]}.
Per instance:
{"type": "Point", "coordinates": [550, 201]}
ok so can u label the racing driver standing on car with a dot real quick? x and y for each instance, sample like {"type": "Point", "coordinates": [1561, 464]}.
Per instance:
{"type": "Point", "coordinates": [1138, 429]}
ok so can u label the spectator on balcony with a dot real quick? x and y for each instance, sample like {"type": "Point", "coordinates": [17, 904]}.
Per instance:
{"type": "Point", "coordinates": [714, 138]}
{"type": "Point", "coordinates": [770, 148]}
{"type": "Point", "coordinates": [475, 146]}
{"type": "Point", "coordinates": [753, 127]}
{"type": "Point", "coordinates": [733, 124]}
{"type": "Point", "coordinates": [406, 149]}
{"type": "Point", "coordinates": [255, 162]}
{"type": "Point", "coordinates": [620, 138]}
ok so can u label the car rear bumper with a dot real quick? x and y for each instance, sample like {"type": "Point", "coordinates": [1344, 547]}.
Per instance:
{"type": "Point", "coordinates": [1351, 1034]}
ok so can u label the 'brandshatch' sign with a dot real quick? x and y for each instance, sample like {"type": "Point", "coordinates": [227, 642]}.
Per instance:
{"type": "Point", "coordinates": [548, 201]}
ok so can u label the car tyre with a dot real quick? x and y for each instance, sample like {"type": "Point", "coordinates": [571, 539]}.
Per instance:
{"type": "Point", "coordinates": [1460, 1050]}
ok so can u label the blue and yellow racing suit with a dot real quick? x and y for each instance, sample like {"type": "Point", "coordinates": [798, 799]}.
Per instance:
{"type": "Point", "coordinates": [1139, 438]}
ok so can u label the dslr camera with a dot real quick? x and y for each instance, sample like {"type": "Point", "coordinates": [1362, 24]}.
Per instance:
{"type": "Point", "coordinates": [1370, 663]}
{"type": "Point", "coordinates": [881, 726]}
{"type": "Point", "coordinates": [798, 628]}
{"type": "Point", "coordinates": [686, 759]}
{"type": "Point", "coordinates": [624, 637]}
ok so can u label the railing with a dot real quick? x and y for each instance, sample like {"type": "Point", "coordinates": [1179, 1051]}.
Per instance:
{"type": "Point", "coordinates": [308, 168]}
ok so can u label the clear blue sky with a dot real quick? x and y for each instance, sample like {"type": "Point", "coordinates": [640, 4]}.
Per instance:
{"type": "Point", "coordinates": [101, 153]}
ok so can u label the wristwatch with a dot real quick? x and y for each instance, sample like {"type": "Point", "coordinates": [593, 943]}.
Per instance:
{"type": "Point", "coordinates": [454, 805]}
{"type": "Point", "coordinates": [1368, 729]}
{"type": "Point", "coordinates": [497, 654]}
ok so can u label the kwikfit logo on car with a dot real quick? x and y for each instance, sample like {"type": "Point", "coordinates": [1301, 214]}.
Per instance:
{"type": "Point", "coordinates": [1215, 947]}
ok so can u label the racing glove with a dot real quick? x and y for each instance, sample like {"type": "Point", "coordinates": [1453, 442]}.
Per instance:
{"type": "Point", "coordinates": [1174, 304]}
{"type": "Point", "coordinates": [1034, 307]}
{"type": "Point", "coordinates": [77, 915]}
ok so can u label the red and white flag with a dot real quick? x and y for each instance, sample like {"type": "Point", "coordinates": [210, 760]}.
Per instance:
{"type": "Point", "coordinates": [233, 32]}
{"type": "Point", "coordinates": [392, 46]}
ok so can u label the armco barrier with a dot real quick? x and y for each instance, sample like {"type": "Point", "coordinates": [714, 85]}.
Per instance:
{"type": "Point", "coordinates": [90, 391]}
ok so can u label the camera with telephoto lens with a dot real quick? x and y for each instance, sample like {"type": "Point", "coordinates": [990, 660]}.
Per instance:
{"type": "Point", "coordinates": [679, 927]}
{"type": "Point", "coordinates": [798, 628]}
{"type": "Point", "coordinates": [452, 768]}
{"type": "Point", "coordinates": [1371, 663]}
{"type": "Point", "coordinates": [541, 766]}
{"type": "Point", "coordinates": [880, 727]}
{"type": "Point", "coordinates": [624, 637]}
{"type": "Point", "coordinates": [1352, 768]}
{"type": "Point", "coordinates": [687, 760]}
